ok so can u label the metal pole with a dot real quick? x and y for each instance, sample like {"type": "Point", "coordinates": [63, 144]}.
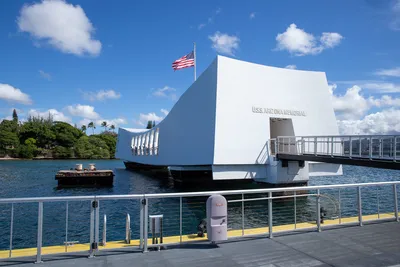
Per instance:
{"type": "Point", "coordinates": [359, 149]}
{"type": "Point", "coordinates": [39, 234]}
{"type": "Point", "coordinates": [104, 243]}
{"type": "Point", "coordinates": [180, 219]}
{"type": "Point", "coordinates": [377, 199]}
{"type": "Point", "coordinates": [315, 145]}
{"type": "Point", "coordinates": [270, 214]}
{"type": "Point", "coordinates": [395, 148]}
{"type": "Point", "coordinates": [340, 208]}
{"type": "Point", "coordinates": [318, 212]}
{"type": "Point", "coordinates": [141, 223]}
{"type": "Point", "coordinates": [194, 54]}
{"type": "Point", "coordinates": [360, 219]}
{"type": "Point", "coordinates": [145, 225]}
{"type": "Point", "coordinates": [295, 210]}
{"type": "Point", "coordinates": [66, 226]}
{"type": "Point", "coordinates": [242, 214]}
{"type": "Point", "coordinates": [351, 147]}
{"type": "Point", "coordinates": [92, 215]}
{"type": "Point", "coordinates": [97, 226]}
{"type": "Point", "coordinates": [370, 148]}
{"type": "Point", "coordinates": [332, 147]}
{"type": "Point", "coordinates": [11, 229]}
{"type": "Point", "coordinates": [396, 205]}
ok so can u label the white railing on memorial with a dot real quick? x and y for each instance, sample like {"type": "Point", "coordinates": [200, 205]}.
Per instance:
{"type": "Point", "coordinates": [384, 147]}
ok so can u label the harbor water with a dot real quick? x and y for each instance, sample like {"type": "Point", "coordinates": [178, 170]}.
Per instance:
{"type": "Point", "coordinates": [37, 179]}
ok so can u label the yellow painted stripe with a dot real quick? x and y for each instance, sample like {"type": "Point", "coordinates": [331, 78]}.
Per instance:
{"type": "Point", "coordinates": [187, 238]}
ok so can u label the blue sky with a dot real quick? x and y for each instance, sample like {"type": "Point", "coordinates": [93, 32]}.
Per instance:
{"type": "Point", "coordinates": [105, 60]}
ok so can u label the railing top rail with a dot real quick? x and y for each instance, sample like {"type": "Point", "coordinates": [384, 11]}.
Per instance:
{"type": "Point", "coordinates": [340, 136]}
{"type": "Point", "coordinates": [190, 194]}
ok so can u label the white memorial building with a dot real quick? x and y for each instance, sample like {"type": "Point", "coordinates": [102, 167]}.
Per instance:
{"type": "Point", "coordinates": [220, 127]}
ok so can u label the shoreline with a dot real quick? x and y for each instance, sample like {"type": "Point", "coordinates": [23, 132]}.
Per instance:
{"type": "Point", "coordinates": [10, 159]}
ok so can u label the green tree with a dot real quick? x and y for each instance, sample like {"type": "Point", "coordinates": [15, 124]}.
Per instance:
{"type": "Point", "coordinates": [83, 128]}
{"type": "Point", "coordinates": [112, 127]}
{"type": "Point", "coordinates": [28, 149]}
{"type": "Point", "coordinates": [8, 140]}
{"type": "Point", "coordinates": [39, 129]}
{"type": "Point", "coordinates": [15, 116]}
{"type": "Point", "coordinates": [62, 152]}
{"type": "Point", "coordinates": [104, 124]}
{"type": "Point", "coordinates": [111, 142]}
{"type": "Point", "coordinates": [92, 125]}
{"type": "Point", "coordinates": [65, 134]}
{"type": "Point", "coordinates": [92, 147]}
{"type": "Point", "coordinates": [149, 125]}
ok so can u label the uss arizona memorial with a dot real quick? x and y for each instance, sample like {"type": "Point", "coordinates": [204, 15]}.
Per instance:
{"type": "Point", "coordinates": [222, 126]}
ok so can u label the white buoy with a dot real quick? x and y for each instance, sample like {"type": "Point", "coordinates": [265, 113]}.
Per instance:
{"type": "Point", "coordinates": [91, 167]}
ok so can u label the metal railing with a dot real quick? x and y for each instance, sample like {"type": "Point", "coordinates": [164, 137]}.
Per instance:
{"type": "Point", "coordinates": [385, 147]}
{"type": "Point", "coordinates": [250, 212]}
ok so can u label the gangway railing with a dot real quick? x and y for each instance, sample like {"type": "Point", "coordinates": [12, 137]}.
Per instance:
{"type": "Point", "coordinates": [373, 147]}
{"type": "Point", "coordinates": [266, 211]}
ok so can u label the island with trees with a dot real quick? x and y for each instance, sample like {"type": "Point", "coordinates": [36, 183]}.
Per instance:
{"type": "Point", "coordinates": [43, 138]}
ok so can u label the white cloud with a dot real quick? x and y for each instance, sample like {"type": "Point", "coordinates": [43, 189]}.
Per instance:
{"type": "Point", "coordinates": [45, 75]}
{"type": "Point", "coordinates": [351, 105]}
{"type": "Point", "coordinates": [201, 26]}
{"type": "Point", "coordinates": [376, 86]}
{"type": "Point", "coordinates": [383, 122]}
{"type": "Point", "coordinates": [292, 67]}
{"type": "Point", "coordinates": [57, 115]}
{"type": "Point", "coordinates": [298, 42]}
{"type": "Point", "coordinates": [164, 111]}
{"type": "Point", "coordinates": [167, 92]}
{"type": "Point", "coordinates": [252, 15]}
{"type": "Point", "coordinates": [395, 23]}
{"type": "Point", "coordinates": [210, 20]}
{"type": "Point", "coordinates": [101, 95]}
{"type": "Point", "coordinates": [12, 94]}
{"type": "Point", "coordinates": [64, 26]}
{"type": "Point", "coordinates": [6, 118]}
{"type": "Point", "coordinates": [144, 118]}
{"type": "Point", "coordinates": [382, 87]}
{"type": "Point", "coordinates": [385, 101]}
{"type": "Point", "coordinates": [83, 111]}
{"type": "Point", "coordinates": [395, 72]}
{"type": "Point", "coordinates": [224, 43]}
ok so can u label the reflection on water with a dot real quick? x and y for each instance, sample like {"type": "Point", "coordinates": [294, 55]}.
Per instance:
{"type": "Point", "coordinates": [36, 179]}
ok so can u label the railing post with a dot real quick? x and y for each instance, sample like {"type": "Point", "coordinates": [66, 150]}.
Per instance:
{"type": "Point", "coordinates": [180, 219]}
{"type": "Point", "coordinates": [39, 234]}
{"type": "Point", "coordinates": [370, 148]}
{"type": "Point", "coordinates": [395, 148]}
{"type": "Point", "coordinates": [359, 149]}
{"type": "Point", "coordinates": [351, 147]}
{"type": "Point", "coordinates": [340, 208]}
{"type": "Point", "coordinates": [315, 146]}
{"type": "Point", "coordinates": [295, 210]}
{"type": "Point", "coordinates": [145, 224]}
{"type": "Point", "coordinates": [242, 214]}
{"type": "Point", "coordinates": [94, 227]}
{"type": "Point", "coordinates": [302, 145]}
{"type": "Point", "coordinates": [332, 147]}
{"type": "Point", "coordinates": [396, 204]}
{"type": "Point", "coordinates": [359, 202]}
{"type": "Point", "coordinates": [141, 237]}
{"type": "Point", "coordinates": [104, 241]}
{"type": "Point", "coordinates": [11, 229]}
{"type": "Point", "coordinates": [380, 147]}
{"type": "Point", "coordinates": [128, 229]}
{"type": "Point", "coordinates": [318, 212]}
{"type": "Point", "coordinates": [270, 214]}
{"type": "Point", "coordinates": [66, 226]}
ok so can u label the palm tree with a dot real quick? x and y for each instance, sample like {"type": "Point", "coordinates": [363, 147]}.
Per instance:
{"type": "Point", "coordinates": [104, 124]}
{"type": "Point", "coordinates": [83, 128]}
{"type": "Point", "coordinates": [112, 127]}
{"type": "Point", "coordinates": [92, 125]}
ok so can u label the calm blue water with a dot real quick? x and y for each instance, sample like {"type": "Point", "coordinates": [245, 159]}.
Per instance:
{"type": "Point", "coordinates": [36, 179]}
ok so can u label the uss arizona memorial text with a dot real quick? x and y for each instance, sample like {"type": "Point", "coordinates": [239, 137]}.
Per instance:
{"type": "Point", "coordinates": [279, 111]}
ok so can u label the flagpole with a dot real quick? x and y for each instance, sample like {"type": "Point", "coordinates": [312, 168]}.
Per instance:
{"type": "Point", "coordinates": [194, 54]}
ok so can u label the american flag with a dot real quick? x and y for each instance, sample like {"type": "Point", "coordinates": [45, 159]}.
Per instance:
{"type": "Point", "coordinates": [184, 62]}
